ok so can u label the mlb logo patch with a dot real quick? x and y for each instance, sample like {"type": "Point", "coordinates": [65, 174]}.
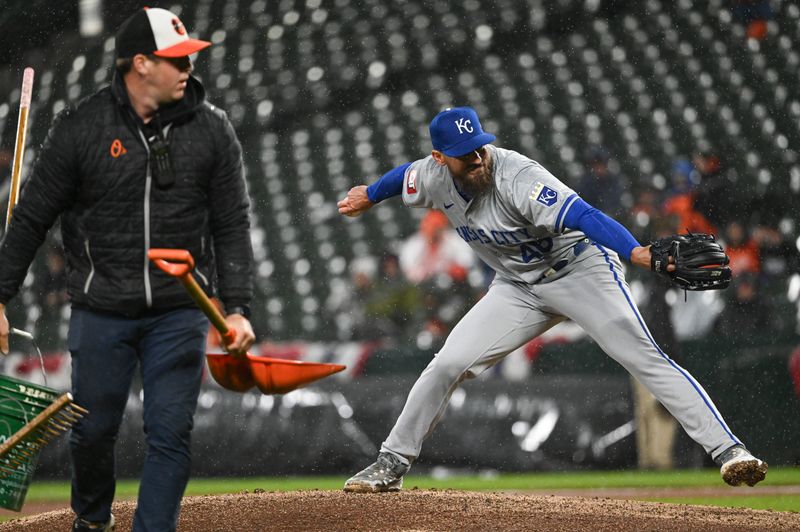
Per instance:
{"type": "Point", "coordinates": [411, 185]}
{"type": "Point", "coordinates": [544, 194]}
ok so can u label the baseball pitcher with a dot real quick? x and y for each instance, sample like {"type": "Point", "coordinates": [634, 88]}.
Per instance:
{"type": "Point", "coordinates": [556, 258]}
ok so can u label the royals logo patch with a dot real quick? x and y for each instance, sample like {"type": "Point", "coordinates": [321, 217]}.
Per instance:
{"type": "Point", "coordinates": [544, 194]}
{"type": "Point", "coordinates": [411, 185]}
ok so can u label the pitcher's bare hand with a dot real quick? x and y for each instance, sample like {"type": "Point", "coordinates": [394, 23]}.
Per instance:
{"type": "Point", "coordinates": [641, 257]}
{"type": "Point", "coordinates": [356, 202]}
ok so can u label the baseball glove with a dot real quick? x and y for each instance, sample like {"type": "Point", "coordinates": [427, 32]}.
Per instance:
{"type": "Point", "coordinates": [700, 262]}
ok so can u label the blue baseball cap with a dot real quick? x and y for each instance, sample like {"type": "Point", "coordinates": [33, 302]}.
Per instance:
{"type": "Point", "coordinates": [457, 131]}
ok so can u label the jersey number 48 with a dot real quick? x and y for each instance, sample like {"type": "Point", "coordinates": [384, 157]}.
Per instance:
{"type": "Point", "coordinates": [535, 250]}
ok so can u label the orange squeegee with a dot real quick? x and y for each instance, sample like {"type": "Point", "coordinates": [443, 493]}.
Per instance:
{"type": "Point", "coordinates": [239, 373]}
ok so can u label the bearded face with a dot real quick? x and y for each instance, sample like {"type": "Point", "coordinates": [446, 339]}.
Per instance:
{"type": "Point", "coordinates": [472, 171]}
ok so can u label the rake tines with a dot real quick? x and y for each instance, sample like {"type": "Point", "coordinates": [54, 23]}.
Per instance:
{"type": "Point", "coordinates": [25, 444]}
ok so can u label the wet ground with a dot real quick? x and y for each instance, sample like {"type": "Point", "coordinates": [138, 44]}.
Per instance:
{"type": "Point", "coordinates": [435, 510]}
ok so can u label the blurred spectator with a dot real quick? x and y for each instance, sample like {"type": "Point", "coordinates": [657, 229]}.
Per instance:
{"type": "Point", "coordinates": [778, 255]}
{"type": "Point", "coordinates": [435, 250]}
{"type": "Point", "coordinates": [394, 303]}
{"type": "Point", "coordinates": [681, 203]}
{"type": "Point", "coordinates": [753, 14]}
{"type": "Point", "coordinates": [694, 316]}
{"type": "Point", "coordinates": [439, 262]}
{"type": "Point", "coordinates": [780, 273]}
{"type": "Point", "coordinates": [716, 196]}
{"type": "Point", "coordinates": [708, 164]}
{"type": "Point", "coordinates": [745, 316]}
{"type": "Point", "coordinates": [742, 250]}
{"type": "Point", "coordinates": [655, 427]}
{"type": "Point", "coordinates": [51, 286]}
{"type": "Point", "coordinates": [645, 212]}
{"type": "Point", "coordinates": [602, 188]}
{"type": "Point", "coordinates": [55, 281]}
{"type": "Point", "coordinates": [684, 177]}
{"type": "Point", "coordinates": [6, 160]}
{"type": "Point", "coordinates": [376, 302]}
{"type": "Point", "coordinates": [655, 430]}
{"type": "Point", "coordinates": [346, 301]}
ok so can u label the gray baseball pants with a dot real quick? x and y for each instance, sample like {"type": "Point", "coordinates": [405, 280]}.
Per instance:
{"type": "Point", "coordinates": [592, 292]}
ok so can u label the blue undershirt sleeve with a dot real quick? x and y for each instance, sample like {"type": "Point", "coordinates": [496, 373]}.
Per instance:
{"type": "Point", "coordinates": [390, 184]}
{"type": "Point", "coordinates": [600, 228]}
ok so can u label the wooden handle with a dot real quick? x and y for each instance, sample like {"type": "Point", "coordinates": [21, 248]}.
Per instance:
{"type": "Point", "coordinates": [176, 262]}
{"type": "Point", "coordinates": [180, 263]}
{"type": "Point", "coordinates": [19, 147]}
{"type": "Point", "coordinates": [37, 422]}
{"type": "Point", "coordinates": [208, 307]}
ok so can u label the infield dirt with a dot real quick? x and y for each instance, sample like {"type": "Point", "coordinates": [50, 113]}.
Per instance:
{"type": "Point", "coordinates": [432, 510]}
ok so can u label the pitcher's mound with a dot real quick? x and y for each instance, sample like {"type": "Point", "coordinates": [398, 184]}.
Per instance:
{"type": "Point", "coordinates": [432, 510]}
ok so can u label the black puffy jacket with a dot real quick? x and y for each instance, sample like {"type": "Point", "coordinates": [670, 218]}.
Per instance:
{"type": "Point", "coordinates": [93, 170]}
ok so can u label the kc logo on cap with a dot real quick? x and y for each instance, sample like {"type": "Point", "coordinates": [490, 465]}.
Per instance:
{"type": "Point", "coordinates": [457, 131]}
{"type": "Point", "coordinates": [464, 125]}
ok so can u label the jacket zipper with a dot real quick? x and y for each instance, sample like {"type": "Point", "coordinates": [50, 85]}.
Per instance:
{"type": "Point", "coordinates": [202, 253]}
{"type": "Point", "coordinates": [148, 292]}
{"type": "Point", "coordinates": [201, 276]}
{"type": "Point", "coordinates": [91, 268]}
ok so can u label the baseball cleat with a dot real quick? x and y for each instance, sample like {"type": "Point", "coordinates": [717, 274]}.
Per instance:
{"type": "Point", "coordinates": [738, 467]}
{"type": "Point", "coordinates": [82, 525]}
{"type": "Point", "coordinates": [386, 474]}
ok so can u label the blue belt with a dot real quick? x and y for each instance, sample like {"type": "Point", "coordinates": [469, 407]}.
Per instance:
{"type": "Point", "coordinates": [581, 246]}
{"type": "Point", "coordinates": [577, 249]}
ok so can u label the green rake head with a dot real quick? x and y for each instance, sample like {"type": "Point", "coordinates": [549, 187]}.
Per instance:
{"type": "Point", "coordinates": [24, 445]}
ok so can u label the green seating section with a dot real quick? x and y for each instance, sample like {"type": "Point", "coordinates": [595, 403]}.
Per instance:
{"type": "Point", "coordinates": [326, 95]}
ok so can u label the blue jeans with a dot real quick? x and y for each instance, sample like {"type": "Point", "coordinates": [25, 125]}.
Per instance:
{"type": "Point", "coordinates": [105, 350]}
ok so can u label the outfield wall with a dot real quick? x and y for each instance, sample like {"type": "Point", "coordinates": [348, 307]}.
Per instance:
{"type": "Point", "coordinates": [549, 421]}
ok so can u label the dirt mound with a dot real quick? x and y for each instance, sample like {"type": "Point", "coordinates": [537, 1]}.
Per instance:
{"type": "Point", "coordinates": [432, 510]}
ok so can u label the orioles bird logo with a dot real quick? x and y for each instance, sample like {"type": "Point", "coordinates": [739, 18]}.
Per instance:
{"type": "Point", "coordinates": [117, 149]}
{"type": "Point", "coordinates": [178, 27]}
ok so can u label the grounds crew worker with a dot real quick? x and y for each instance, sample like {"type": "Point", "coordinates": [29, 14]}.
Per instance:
{"type": "Point", "coordinates": [145, 163]}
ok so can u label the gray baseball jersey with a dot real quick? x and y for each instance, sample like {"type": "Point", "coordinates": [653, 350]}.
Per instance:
{"type": "Point", "coordinates": [517, 228]}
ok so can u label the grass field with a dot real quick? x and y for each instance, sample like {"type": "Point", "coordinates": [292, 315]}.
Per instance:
{"type": "Point", "coordinates": [646, 482]}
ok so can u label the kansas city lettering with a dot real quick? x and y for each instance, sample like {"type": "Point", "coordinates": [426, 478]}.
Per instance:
{"type": "Point", "coordinates": [501, 238]}
{"type": "Point", "coordinates": [529, 248]}
{"type": "Point", "coordinates": [469, 234]}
